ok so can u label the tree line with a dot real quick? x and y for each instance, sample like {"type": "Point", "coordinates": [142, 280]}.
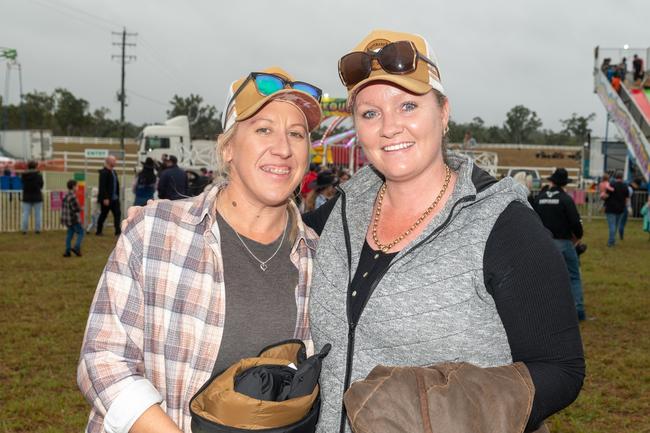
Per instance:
{"type": "Point", "coordinates": [66, 114]}
{"type": "Point", "coordinates": [522, 125]}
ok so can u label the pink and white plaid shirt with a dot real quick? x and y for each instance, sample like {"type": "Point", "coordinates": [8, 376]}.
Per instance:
{"type": "Point", "coordinates": [159, 309]}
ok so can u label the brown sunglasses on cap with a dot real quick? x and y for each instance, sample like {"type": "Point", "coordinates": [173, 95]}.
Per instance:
{"type": "Point", "coordinates": [398, 58]}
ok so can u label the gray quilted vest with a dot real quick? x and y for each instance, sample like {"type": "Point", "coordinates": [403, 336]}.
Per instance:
{"type": "Point", "coordinates": [431, 306]}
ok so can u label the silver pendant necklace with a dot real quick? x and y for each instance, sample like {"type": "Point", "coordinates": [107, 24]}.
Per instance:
{"type": "Point", "coordinates": [263, 263]}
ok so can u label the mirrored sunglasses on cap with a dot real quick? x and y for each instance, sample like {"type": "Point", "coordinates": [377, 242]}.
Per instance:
{"type": "Point", "coordinates": [398, 58]}
{"type": "Point", "coordinates": [268, 84]}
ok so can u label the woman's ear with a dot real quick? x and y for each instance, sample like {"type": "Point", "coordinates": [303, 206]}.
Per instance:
{"type": "Point", "coordinates": [444, 116]}
{"type": "Point", "coordinates": [226, 148]}
{"type": "Point", "coordinates": [227, 153]}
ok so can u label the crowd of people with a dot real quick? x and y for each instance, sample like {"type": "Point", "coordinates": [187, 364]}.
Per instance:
{"type": "Point", "coordinates": [617, 74]}
{"type": "Point", "coordinates": [319, 185]}
{"type": "Point", "coordinates": [164, 179]}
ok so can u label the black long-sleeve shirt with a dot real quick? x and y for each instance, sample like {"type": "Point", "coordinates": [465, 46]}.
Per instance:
{"type": "Point", "coordinates": [528, 281]}
{"type": "Point", "coordinates": [558, 213]}
{"type": "Point", "coordinates": [615, 202]}
{"type": "Point", "coordinates": [32, 186]}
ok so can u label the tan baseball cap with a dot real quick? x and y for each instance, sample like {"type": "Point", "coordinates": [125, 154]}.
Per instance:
{"type": "Point", "coordinates": [249, 101]}
{"type": "Point", "coordinates": [422, 80]}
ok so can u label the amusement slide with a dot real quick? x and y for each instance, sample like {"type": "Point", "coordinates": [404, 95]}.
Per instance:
{"type": "Point", "coordinates": [629, 109]}
{"type": "Point", "coordinates": [642, 100]}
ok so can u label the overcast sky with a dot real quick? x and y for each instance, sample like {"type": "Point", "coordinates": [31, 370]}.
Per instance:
{"type": "Point", "coordinates": [493, 54]}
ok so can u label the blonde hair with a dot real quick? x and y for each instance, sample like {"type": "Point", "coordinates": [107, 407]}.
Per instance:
{"type": "Point", "coordinates": [221, 168]}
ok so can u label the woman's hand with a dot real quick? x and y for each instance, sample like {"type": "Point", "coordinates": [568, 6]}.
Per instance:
{"type": "Point", "coordinates": [154, 420]}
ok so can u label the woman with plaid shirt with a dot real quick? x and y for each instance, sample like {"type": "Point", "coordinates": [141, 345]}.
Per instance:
{"type": "Point", "coordinates": [158, 325]}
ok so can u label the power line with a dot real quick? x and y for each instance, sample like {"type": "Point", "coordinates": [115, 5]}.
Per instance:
{"type": "Point", "coordinates": [88, 14]}
{"type": "Point", "coordinates": [158, 58]}
{"type": "Point", "coordinates": [158, 68]}
{"type": "Point", "coordinates": [69, 15]}
{"type": "Point", "coordinates": [58, 5]}
{"type": "Point", "coordinates": [155, 101]}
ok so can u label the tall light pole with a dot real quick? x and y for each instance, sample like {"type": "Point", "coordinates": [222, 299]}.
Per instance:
{"type": "Point", "coordinates": [11, 55]}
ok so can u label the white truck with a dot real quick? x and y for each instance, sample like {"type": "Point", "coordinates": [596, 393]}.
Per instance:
{"type": "Point", "coordinates": [26, 144]}
{"type": "Point", "coordinates": [173, 138]}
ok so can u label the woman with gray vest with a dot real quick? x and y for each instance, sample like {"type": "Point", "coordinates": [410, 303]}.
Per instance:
{"type": "Point", "coordinates": [426, 260]}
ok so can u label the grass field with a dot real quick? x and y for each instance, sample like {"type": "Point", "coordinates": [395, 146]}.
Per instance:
{"type": "Point", "coordinates": [44, 300]}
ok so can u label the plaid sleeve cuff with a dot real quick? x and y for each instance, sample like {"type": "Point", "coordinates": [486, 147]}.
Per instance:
{"type": "Point", "coordinates": [129, 405]}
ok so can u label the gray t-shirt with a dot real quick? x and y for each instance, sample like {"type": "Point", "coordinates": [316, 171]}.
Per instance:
{"type": "Point", "coordinates": [260, 305]}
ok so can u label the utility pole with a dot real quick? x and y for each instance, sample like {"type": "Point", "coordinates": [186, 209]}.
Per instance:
{"type": "Point", "coordinates": [124, 59]}
{"type": "Point", "coordinates": [122, 98]}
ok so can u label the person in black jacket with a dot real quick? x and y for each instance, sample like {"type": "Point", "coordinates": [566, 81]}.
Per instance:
{"type": "Point", "coordinates": [615, 205]}
{"type": "Point", "coordinates": [560, 215]}
{"type": "Point", "coordinates": [109, 195]}
{"type": "Point", "coordinates": [172, 184]}
{"type": "Point", "coordinates": [32, 197]}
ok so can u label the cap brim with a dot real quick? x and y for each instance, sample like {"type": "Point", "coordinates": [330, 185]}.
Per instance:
{"type": "Point", "coordinates": [306, 103]}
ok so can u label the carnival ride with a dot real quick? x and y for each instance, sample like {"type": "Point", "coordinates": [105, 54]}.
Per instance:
{"type": "Point", "coordinates": [628, 108]}
{"type": "Point", "coordinates": [337, 144]}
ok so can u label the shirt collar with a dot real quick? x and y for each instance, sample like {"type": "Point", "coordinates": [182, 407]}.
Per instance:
{"type": "Point", "coordinates": [304, 233]}
{"type": "Point", "coordinates": [203, 206]}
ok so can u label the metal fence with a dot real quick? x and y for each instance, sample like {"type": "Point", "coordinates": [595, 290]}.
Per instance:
{"type": "Point", "coordinates": [104, 141]}
{"type": "Point", "coordinates": [590, 205]}
{"type": "Point", "coordinates": [588, 202]}
{"type": "Point", "coordinates": [11, 210]}
{"type": "Point", "coordinates": [77, 161]}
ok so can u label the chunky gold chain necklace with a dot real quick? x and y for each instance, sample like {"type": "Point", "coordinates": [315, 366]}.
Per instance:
{"type": "Point", "coordinates": [380, 198]}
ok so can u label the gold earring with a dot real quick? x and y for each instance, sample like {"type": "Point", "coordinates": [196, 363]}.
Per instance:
{"type": "Point", "coordinates": [446, 130]}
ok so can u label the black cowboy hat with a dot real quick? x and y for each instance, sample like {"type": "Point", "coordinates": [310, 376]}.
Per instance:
{"type": "Point", "coordinates": [560, 177]}
{"type": "Point", "coordinates": [325, 178]}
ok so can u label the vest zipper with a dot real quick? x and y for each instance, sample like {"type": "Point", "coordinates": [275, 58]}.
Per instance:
{"type": "Point", "coordinates": [352, 326]}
